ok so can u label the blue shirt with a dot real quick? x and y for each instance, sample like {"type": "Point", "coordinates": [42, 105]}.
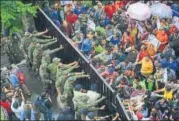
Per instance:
{"type": "Point", "coordinates": [164, 63]}
{"type": "Point", "coordinates": [79, 11]}
{"type": "Point", "coordinates": [173, 65]}
{"type": "Point", "coordinates": [86, 46]}
{"type": "Point", "coordinates": [115, 41]}
{"type": "Point", "coordinates": [14, 80]}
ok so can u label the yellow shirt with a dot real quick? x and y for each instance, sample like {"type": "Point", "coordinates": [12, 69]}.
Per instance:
{"type": "Point", "coordinates": [168, 95]}
{"type": "Point", "coordinates": [133, 33]}
{"type": "Point", "coordinates": [147, 66]}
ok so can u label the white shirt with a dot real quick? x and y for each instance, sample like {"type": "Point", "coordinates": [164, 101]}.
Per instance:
{"type": "Point", "coordinates": [18, 110]}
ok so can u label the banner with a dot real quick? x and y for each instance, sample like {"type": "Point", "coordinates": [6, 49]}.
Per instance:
{"type": "Point", "coordinates": [154, 41]}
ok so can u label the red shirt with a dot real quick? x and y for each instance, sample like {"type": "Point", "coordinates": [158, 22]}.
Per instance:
{"type": "Point", "coordinates": [142, 54]}
{"type": "Point", "coordinates": [6, 105]}
{"type": "Point", "coordinates": [109, 10]}
{"type": "Point", "coordinates": [71, 18]}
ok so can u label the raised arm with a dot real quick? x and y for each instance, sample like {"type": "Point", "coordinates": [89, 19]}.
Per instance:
{"type": "Point", "coordinates": [41, 33]}
{"type": "Point", "coordinates": [56, 50]}
{"type": "Point", "coordinates": [44, 41]}
{"type": "Point", "coordinates": [48, 44]}
{"type": "Point", "coordinates": [96, 102]}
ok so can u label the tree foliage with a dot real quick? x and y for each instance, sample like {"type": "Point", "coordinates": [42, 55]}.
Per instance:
{"type": "Point", "coordinates": [12, 11]}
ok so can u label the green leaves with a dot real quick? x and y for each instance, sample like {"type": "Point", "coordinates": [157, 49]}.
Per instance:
{"type": "Point", "coordinates": [12, 11]}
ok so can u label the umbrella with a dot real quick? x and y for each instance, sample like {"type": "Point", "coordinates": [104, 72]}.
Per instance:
{"type": "Point", "coordinates": [161, 10]}
{"type": "Point", "coordinates": [139, 11]}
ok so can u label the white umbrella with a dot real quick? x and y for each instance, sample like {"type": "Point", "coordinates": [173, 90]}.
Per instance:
{"type": "Point", "coordinates": [139, 11]}
{"type": "Point", "coordinates": [161, 10]}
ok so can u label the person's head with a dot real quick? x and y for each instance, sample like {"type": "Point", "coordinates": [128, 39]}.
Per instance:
{"type": "Point", "coordinates": [143, 47]}
{"type": "Point", "coordinates": [136, 79]}
{"type": "Point", "coordinates": [103, 42]}
{"type": "Point", "coordinates": [99, 4]}
{"type": "Point", "coordinates": [90, 35]}
{"type": "Point", "coordinates": [108, 27]}
{"type": "Point", "coordinates": [147, 58]}
{"type": "Point", "coordinates": [31, 29]}
{"type": "Point", "coordinates": [172, 58]}
{"type": "Point", "coordinates": [162, 101]}
{"type": "Point", "coordinates": [97, 33]}
{"type": "Point", "coordinates": [84, 111]}
{"type": "Point", "coordinates": [168, 87]}
{"type": "Point", "coordinates": [43, 94]}
{"type": "Point", "coordinates": [111, 69]}
{"type": "Point", "coordinates": [56, 60]}
{"type": "Point", "coordinates": [91, 115]}
{"type": "Point", "coordinates": [78, 87]}
{"type": "Point", "coordinates": [56, 6]}
{"type": "Point", "coordinates": [93, 87]}
{"type": "Point", "coordinates": [139, 87]}
{"type": "Point", "coordinates": [150, 78]}
{"type": "Point", "coordinates": [9, 67]}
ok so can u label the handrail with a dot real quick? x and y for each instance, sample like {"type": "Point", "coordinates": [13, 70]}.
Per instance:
{"type": "Point", "coordinates": [92, 67]}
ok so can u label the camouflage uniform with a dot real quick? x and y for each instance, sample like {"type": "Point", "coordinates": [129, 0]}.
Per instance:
{"type": "Point", "coordinates": [44, 75]}
{"type": "Point", "coordinates": [68, 88]}
{"type": "Point", "coordinates": [52, 68]}
{"type": "Point", "coordinates": [7, 43]}
{"type": "Point", "coordinates": [82, 103]}
{"type": "Point", "coordinates": [62, 74]}
{"type": "Point", "coordinates": [31, 48]}
{"type": "Point", "coordinates": [37, 54]}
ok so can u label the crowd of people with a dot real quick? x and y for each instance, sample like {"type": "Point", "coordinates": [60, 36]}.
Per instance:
{"type": "Point", "coordinates": [138, 59]}
{"type": "Point", "coordinates": [143, 73]}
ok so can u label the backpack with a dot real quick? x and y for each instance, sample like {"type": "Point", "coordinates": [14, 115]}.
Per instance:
{"type": "Point", "coordinates": [41, 106]}
{"type": "Point", "coordinates": [21, 77]}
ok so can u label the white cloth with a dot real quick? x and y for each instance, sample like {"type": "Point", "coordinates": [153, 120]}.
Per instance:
{"type": "Point", "coordinates": [18, 110]}
{"type": "Point", "coordinates": [93, 96]}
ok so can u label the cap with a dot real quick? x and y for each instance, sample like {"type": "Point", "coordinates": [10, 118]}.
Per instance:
{"type": "Point", "coordinates": [84, 111]}
{"type": "Point", "coordinates": [56, 60]}
{"type": "Point", "coordinates": [93, 87]}
{"type": "Point", "coordinates": [78, 87]}
{"type": "Point", "coordinates": [91, 115]}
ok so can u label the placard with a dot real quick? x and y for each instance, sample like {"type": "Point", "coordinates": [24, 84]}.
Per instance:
{"type": "Point", "coordinates": [154, 41]}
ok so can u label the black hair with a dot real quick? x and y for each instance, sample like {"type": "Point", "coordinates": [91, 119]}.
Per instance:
{"type": "Point", "coordinates": [9, 67]}
{"type": "Point", "coordinates": [31, 29]}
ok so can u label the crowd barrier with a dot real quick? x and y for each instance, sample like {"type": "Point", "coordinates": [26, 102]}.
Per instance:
{"type": "Point", "coordinates": [71, 53]}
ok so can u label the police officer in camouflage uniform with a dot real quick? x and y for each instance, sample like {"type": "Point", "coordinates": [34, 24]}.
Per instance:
{"type": "Point", "coordinates": [7, 48]}
{"type": "Point", "coordinates": [44, 75]}
{"type": "Point", "coordinates": [31, 48]}
{"type": "Point", "coordinates": [82, 103]}
{"type": "Point", "coordinates": [63, 73]}
{"type": "Point", "coordinates": [37, 54]}
{"type": "Point", "coordinates": [29, 37]}
{"type": "Point", "coordinates": [68, 87]}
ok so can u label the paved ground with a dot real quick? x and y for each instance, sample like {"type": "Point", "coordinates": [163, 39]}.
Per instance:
{"type": "Point", "coordinates": [32, 83]}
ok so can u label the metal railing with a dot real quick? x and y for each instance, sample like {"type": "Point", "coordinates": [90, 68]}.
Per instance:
{"type": "Point", "coordinates": [71, 53]}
